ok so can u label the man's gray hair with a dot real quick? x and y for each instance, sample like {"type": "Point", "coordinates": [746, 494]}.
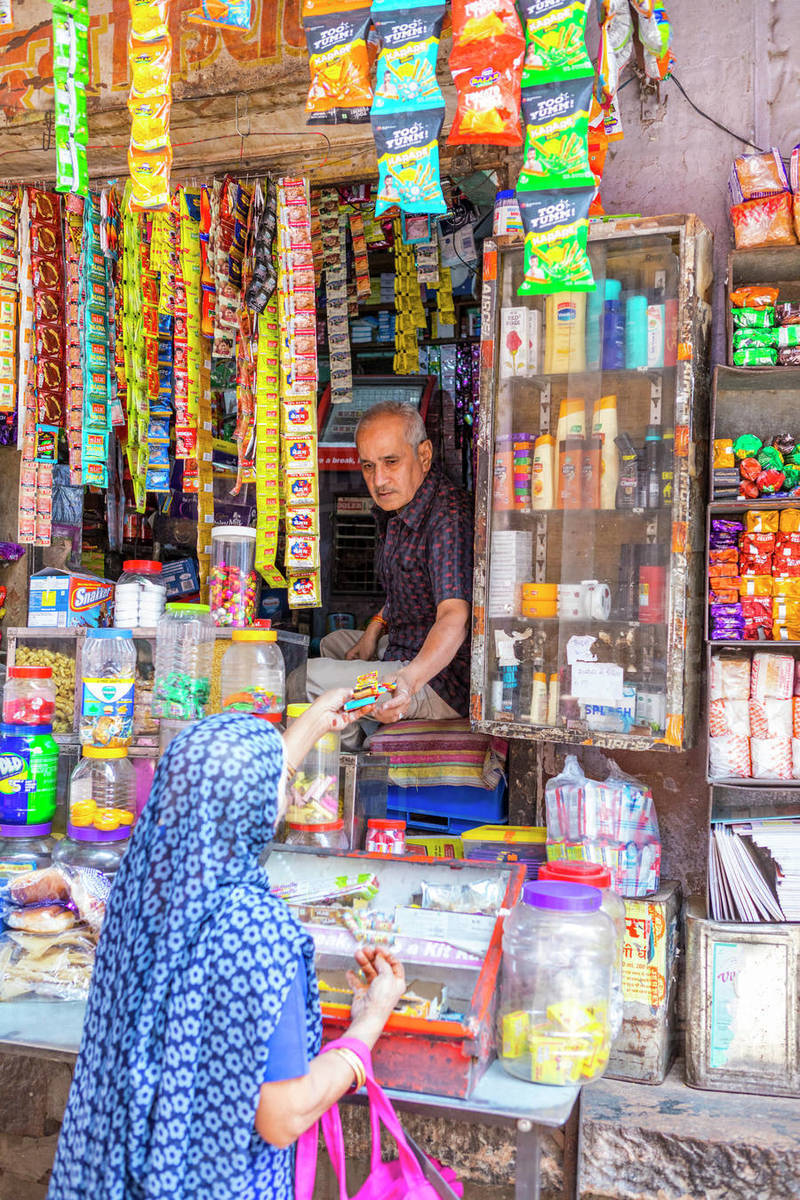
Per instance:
{"type": "Point", "coordinates": [415, 430]}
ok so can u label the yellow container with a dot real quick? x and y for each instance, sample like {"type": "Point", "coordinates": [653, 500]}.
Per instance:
{"type": "Point", "coordinates": [540, 591]}
{"type": "Point", "coordinates": [540, 608]}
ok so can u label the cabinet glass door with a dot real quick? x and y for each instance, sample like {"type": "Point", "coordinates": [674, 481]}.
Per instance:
{"type": "Point", "coordinates": [579, 517]}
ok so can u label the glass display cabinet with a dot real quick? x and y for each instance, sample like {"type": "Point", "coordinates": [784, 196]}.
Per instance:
{"type": "Point", "coordinates": [587, 604]}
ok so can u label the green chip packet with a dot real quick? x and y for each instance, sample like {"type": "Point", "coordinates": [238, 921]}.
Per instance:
{"type": "Point", "coordinates": [753, 318]}
{"type": "Point", "coordinates": [556, 228]}
{"type": "Point", "coordinates": [556, 136]}
{"type": "Point", "coordinates": [555, 37]}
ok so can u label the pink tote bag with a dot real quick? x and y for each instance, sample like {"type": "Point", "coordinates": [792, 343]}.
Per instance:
{"type": "Point", "coordinates": [401, 1179]}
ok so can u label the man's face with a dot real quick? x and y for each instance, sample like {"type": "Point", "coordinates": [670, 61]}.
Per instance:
{"type": "Point", "coordinates": [393, 469]}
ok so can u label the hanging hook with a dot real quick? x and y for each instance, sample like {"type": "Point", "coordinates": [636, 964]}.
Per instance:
{"type": "Point", "coordinates": [239, 117]}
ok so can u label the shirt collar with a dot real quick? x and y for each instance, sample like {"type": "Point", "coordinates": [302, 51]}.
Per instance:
{"type": "Point", "coordinates": [415, 513]}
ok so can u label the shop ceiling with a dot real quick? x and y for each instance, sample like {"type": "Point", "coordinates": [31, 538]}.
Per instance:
{"type": "Point", "coordinates": [238, 100]}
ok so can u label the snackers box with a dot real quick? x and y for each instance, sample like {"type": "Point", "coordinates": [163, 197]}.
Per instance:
{"type": "Point", "coordinates": [58, 598]}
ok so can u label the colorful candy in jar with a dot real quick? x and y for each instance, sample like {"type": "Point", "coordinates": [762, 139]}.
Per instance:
{"type": "Point", "coordinates": [233, 579]}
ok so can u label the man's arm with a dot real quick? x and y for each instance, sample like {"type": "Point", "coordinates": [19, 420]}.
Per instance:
{"type": "Point", "coordinates": [440, 647]}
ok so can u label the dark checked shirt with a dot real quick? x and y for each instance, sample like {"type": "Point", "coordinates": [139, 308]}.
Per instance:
{"type": "Point", "coordinates": [424, 556]}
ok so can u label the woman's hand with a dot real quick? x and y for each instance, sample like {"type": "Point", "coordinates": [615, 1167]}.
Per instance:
{"type": "Point", "coordinates": [328, 710]}
{"type": "Point", "coordinates": [384, 982]}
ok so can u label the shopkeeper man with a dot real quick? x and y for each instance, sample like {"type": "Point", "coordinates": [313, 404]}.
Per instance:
{"type": "Point", "coordinates": [424, 564]}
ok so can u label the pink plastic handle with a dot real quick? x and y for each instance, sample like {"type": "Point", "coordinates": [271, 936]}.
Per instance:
{"type": "Point", "coordinates": [380, 1110]}
{"type": "Point", "coordinates": [305, 1163]}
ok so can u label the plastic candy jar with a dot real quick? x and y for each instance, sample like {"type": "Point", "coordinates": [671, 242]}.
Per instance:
{"type": "Point", "coordinates": [555, 997]}
{"type": "Point", "coordinates": [102, 791]}
{"type": "Point", "coordinates": [253, 677]}
{"type": "Point", "coordinates": [385, 836]}
{"type": "Point", "coordinates": [327, 835]}
{"type": "Point", "coordinates": [28, 776]}
{"type": "Point", "coordinates": [184, 652]}
{"type": "Point", "coordinates": [108, 669]}
{"type": "Point", "coordinates": [140, 595]}
{"type": "Point", "coordinates": [233, 579]}
{"type": "Point", "coordinates": [23, 848]}
{"type": "Point", "coordinates": [595, 875]}
{"type": "Point", "coordinates": [314, 790]}
{"type": "Point", "coordinates": [29, 697]}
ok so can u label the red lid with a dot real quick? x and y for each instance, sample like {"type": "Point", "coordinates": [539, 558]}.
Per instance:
{"type": "Point", "coordinates": [592, 874]}
{"type": "Point", "coordinates": [316, 828]}
{"type": "Point", "coordinates": [30, 672]}
{"type": "Point", "coordinates": [143, 566]}
{"type": "Point", "coordinates": [382, 823]}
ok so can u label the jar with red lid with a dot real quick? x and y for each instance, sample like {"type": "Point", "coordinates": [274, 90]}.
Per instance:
{"type": "Point", "coordinates": [29, 697]}
{"type": "Point", "coordinates": [140, 595]}
{"type": "Point", "coordinates": [329, 835]}
{"type": "Point", "coordinates": [385, 836]}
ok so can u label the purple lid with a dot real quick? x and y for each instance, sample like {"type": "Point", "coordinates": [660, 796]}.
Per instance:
{"type": "Point", "coordinates": [88, 833]}
{"type": "Point", "coordinates": [43, 830]}
{"type": "Point", "coordinates": [562, 897]}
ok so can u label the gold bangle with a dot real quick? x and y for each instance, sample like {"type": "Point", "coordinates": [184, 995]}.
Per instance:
{"type": "Point", "coordinates": [381, 620]}
{"type": "Point", "coordinates": [291, 771]}
{"type": "Point", "coordinates": [355, 1064]}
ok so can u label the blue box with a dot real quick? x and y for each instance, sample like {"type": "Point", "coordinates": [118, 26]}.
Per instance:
{"type": "Point", "coordinates": [447, 809]}
{"type": "Point", "coordinates": [180, 578]}
{"type": "Point", "coordinates": [60, 599]}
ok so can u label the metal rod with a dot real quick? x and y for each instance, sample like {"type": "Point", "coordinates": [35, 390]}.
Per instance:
{"type": "Point", "coordinates": [573, 1151]}
{"type": "Point", "coordinates": [526, 1172]}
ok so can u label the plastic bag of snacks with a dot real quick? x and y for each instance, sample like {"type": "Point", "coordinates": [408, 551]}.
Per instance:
{"type": "Point", "coordinates": [408, 161]}
{"type": "Point", "coordinates": [556, 136]}
{"type": "Point", "coordinates": [406, 70]}
{"type": "Point", "coordinates": [340, 90]}
{"type": "Point", "coordinates": [760, 174]}
{"type": "Point", "coordinates": [487, 112]}
{"type": "Point", "coordinates": [222, 14]}
{"type": "Point", "coordinates": [612, 822]}
{"type": "Point", "coordinates": [555, 41]}
{"type": "Point", "coordinates": [556, 231]}
{"type": "Point", "coordinates": [767, 221]}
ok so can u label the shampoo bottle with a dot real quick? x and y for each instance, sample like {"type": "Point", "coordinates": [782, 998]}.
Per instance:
{"type": "Point", "coordinates": [604, 422]}
{"type": "Point", "coordinates": [565, 333]}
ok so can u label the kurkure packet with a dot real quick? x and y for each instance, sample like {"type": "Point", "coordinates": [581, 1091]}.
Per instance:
{"type": "Point", "coordinates": [555, 41]}
{"type": "Point", "coordinates": [556, 136]}
{"type": "Point", "coordinates": [340, 91]}
{"type": "Point", "coordinates": [408, 161]}
{"type": "Point", "coordinates": [406, 71]}
{"type": "Point", "coordinates": [556, 230]}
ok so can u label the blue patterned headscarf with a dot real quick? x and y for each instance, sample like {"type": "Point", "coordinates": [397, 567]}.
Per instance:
{"type": "Point", "coordinates": [193, 968]}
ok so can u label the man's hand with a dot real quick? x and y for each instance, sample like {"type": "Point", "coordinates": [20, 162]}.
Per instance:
{"type": "Point", "coordinates": [395, 707]}
{"type": "Point", "coordinates": [366, 648]}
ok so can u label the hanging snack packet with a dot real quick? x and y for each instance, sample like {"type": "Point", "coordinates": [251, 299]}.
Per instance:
{"type": "Point", "coordinates": [556, 231]}
{"type": "Point", "coordinates": [488, 106]}
{"type": "Point", "coordinates": [485, 31]}
{"type": "Point", "coordinates": [406, 72]}
{"type": "Point", "coordinates": [555, 41]}
{"type": "Point", "coordinates": [222, 14]}
{"type": "Point", "coordinates": [149, 121]}
{"type": "Point", "coordinates": [340, 91]}
{"type": "Point", "coordinates": [408, 161]}
{"type": "Point", "coordinates": [149, 19]}
{"type": "Point", "coordinates": [151, 65]}
{"type": "Point", "coordinates": [556, 136]}
{"type": "Point", "coordinates": [149, 178]}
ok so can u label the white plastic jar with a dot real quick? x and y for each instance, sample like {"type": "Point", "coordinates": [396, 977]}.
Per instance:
{"type": "Point", "coordinates": [108, 670]}
{"type": "Point", "coordinates": [140, 595]}
{"type": "Point", "coordinates": [101, 813]}
{"type": "Point", "coordinates": [555, 996]}
{"type": "Point", "coordinates": [253, 675]}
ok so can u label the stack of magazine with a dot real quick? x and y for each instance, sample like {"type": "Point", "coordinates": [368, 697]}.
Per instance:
{"type": "Point", "coordinates": [754, 870]}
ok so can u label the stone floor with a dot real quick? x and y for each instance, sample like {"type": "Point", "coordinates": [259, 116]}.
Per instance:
{"type": "Point", "coordinates": [639, 1142]}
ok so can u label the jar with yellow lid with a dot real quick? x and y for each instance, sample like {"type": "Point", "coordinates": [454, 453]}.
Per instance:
{"type": "Point", "coordinates": [253, 676]}
{"type": "Point", "coordinates": [314, 790]}
{"type": "Point", "coordinates": [102, 797]}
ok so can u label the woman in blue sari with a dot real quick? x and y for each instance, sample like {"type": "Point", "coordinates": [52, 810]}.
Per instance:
{"type": "Point", "coordinates": [199, 1065]}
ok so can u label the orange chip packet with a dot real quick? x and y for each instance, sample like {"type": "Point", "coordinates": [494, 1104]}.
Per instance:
{"type": "Point", "coordinates": [485, 32]}
{"type": "Point", "coordinates": [488, 109]}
